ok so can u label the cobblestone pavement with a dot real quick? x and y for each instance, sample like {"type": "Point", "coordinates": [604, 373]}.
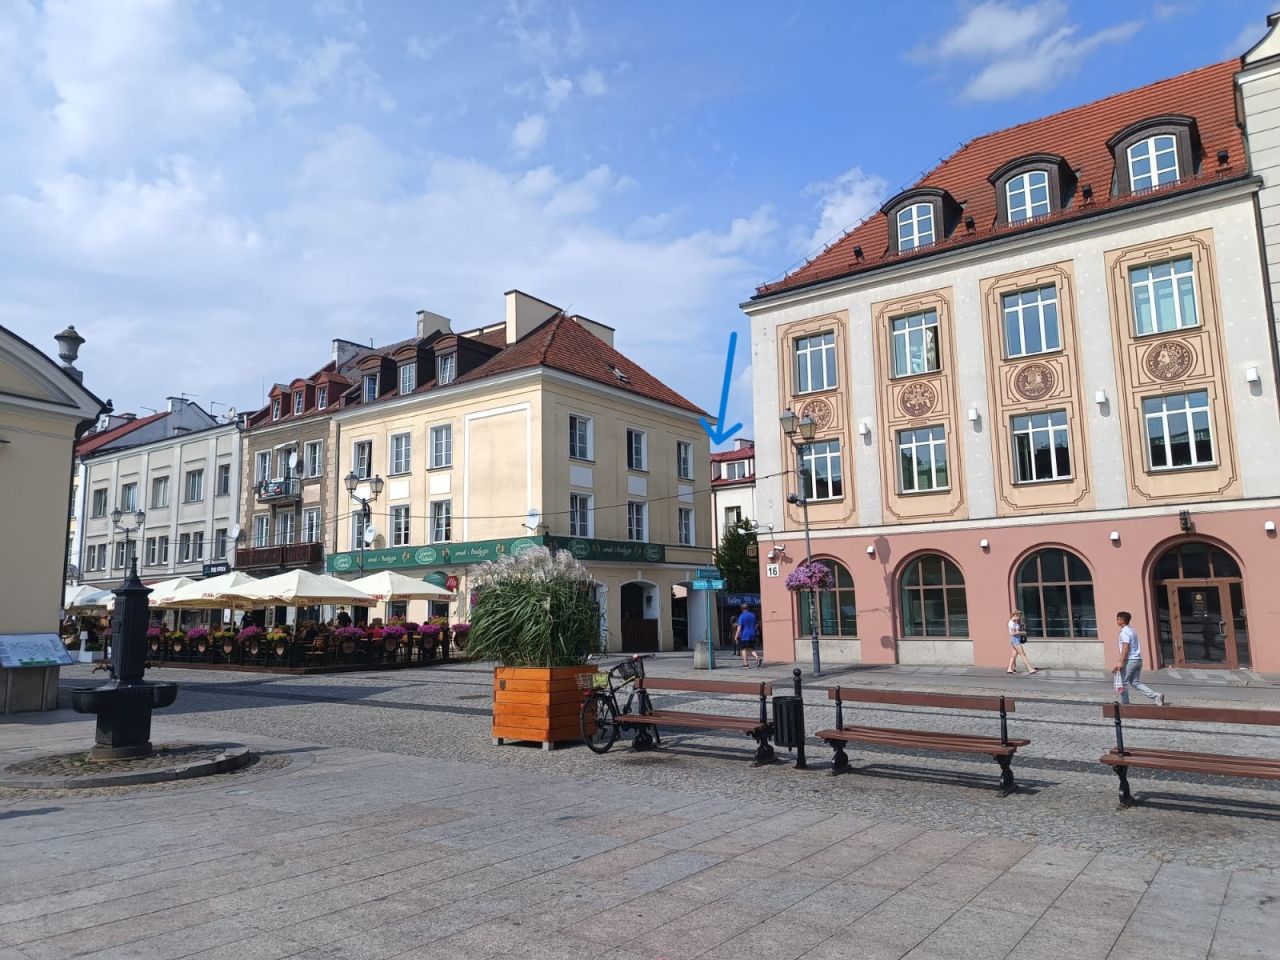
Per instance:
{"type": "Point", "coordinates": [400, 831]}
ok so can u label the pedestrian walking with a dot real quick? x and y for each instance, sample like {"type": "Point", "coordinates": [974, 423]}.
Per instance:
{"type": "Point", "coordinates": [1018, 640]}
{"type": "Point", "coordinates": [745, 634]}
{"type": "Point", "coordinates": [1131, 661]}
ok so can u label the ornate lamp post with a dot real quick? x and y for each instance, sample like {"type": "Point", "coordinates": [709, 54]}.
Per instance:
{"type": "Point", "coordinates": [806, 428]}
{"type": "Point", "coordinates": [139, 518]}
{"type": "Point", "coordinates": [351, 481]}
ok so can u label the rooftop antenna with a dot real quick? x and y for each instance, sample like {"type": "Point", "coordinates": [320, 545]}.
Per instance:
{"type": "Point", "coordinates": [184, 396]}
{"type": "Point", "coordinates": [152, 409]}
{"type": "Point", "coordinates": [215, 403]}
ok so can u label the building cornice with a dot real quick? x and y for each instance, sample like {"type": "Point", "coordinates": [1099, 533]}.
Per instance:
{"type": "Point", "coordinates": [1192, 199]}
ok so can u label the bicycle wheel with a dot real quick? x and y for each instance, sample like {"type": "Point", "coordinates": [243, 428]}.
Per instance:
{"type": "Point", "coordinates": [598, 723]}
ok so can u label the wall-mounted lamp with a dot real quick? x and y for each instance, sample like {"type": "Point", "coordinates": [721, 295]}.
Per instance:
{"type": "Point", "coordinates": [1269, 526]}
{"type": "Point", "coordinates": [1099, 397]}
{"type": "Point", "coordinates": [1115, 536]}
{"type": "Point", "coordinates": [871, 550]}
{"type": "Point", "coordinates": [973, 414]}
{"type": "Point", "coordinates": [1252, 376]}
{"type": "Point", "coordinates": [864, 428]}
{"type": "Point", "coordinates": [1184, 521]}
{"type": "Point", "coordinates": [984, 543]}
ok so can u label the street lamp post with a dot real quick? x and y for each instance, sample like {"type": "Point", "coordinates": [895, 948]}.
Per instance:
{"type": "Point", "coordinates": [139, 518]}
{"type": "Point", "coordinates": [806, 428]}
{"type": "Point", "coordinates": [375, 489]}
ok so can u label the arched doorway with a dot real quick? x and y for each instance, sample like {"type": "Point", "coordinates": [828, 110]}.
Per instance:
{"type": "Point", "coordinates": [1200, 612]}
{"type": "Point", "coordinates": [638, 607]}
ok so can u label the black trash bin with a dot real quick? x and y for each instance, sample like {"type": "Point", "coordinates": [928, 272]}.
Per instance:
{"type": "Point", "coordinates": [788, 722]}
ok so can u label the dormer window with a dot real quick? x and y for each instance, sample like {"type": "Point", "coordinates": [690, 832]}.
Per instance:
{"type": "Point", "coordinates": [275, 409]}
{"type": "Point", "coordinates": [1153, 162]}
{"type": "Point", "coordinates": [370, 392]}
{"type": "Point", "coordinates": [297, 401]}
{"type": "Point", "coordinates": [322, 397]}
{"type": "Point", "coordinates": [919, 217]}
{"type": "Point", "coordinates": [1155, 152]}
{"type": "Point", "coordinates": [408, 377]}
{"type": "Point", "coordinates": [915, 226]}
{"type": "Point", "coordinates": [1027, 196]}
{"type": "Point", "coordinates": [446, 368]}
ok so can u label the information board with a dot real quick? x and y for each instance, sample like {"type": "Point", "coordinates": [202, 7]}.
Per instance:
{"type": "Point", "coordinates": [33, 650]}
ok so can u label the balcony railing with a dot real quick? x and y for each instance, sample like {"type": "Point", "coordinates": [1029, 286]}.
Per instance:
{"type": "Point", "coordinates": [275, 491]}
{"type": "Point", "coordinates": [290, 555]}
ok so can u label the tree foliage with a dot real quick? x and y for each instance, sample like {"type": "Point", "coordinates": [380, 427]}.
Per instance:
{"type": "Point", "coordinates": [740, 570]}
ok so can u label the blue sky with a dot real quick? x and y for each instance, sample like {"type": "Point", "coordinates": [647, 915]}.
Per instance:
{"type": "Point", "coordinates": [212, 191]}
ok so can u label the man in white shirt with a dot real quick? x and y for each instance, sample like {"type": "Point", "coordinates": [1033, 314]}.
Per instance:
{"type": "Point", "coordinates": [1131, 661]}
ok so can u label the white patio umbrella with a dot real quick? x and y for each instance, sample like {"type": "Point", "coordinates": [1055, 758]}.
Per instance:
{"type": "Point", "coordinates": [216, 592]}
{"type": "Point", "coordinates": [299, 588]}
{"type": "Point", "coordinates": [389, 585]}
{"type": "Point", "coordinates": [85, 597]}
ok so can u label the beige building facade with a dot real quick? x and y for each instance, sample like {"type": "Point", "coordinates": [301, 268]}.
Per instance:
{"type": "Point", "coordinates": [568, 445]}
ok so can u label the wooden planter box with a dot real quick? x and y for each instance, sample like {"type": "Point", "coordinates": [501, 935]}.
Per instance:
{"type": "Point", "coordinates": [538, 704]}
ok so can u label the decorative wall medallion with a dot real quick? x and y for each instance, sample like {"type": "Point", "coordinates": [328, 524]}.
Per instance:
{"type": "Point", "coordinates": [1169, 360]}
{"type": "Point", "coordinates": [917, 399]}
{"type": "Point", "coordinates": [819, 411]}
{"type": "Point", "coordinates": [1035, 381]}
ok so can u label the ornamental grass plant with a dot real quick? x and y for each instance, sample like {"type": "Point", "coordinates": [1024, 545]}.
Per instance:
{"type": "Point", "coordinates": [533, 610]}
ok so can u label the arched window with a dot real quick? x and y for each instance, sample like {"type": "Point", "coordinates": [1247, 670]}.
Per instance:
{"type": "Point", "coordinates": [1055, 594]}
{"type": "Point", "coordinates": [933, 599]}
{"type": "Point", "coordinates": [915, 226]}
{"type": "Point", "coordinates": [837, 611]}
{"type": "Point", "coordinates": [1028, 196]}
{"type": "Point", "coordinates": [1153, 162]}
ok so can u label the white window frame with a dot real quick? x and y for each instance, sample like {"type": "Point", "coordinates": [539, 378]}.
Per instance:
{"type": "Point", "coordinates": [581, 514]}
{"type": "Point", "coordinates": [821, 451]}
{"type": "Point", "coordinates": [442, 446]}
{"type": "Point", "coordinates": [1034, 188]}
{"type": "Point", "coordinates": [152, 552]}
{"type": "Point", "coordinates": [220, 541]}
{"type": "Point", "coordinates": [1158, 156]}
{"type": "Point", "coordinates": [99, 502]}
{"type": "Point", "coordinates": [262, 466]}
{"type": "Point", "coordinates": [441, 512]}
{"type": "Point", "coordinates": [581, 441]}
{"type": "Point", "coordinates": [916, 227]}
{"type": "Point", "coordinates": [637, 453]}
{"type": "Point", "coordinates": [197, 545]}
{"type": "Point", "coordinates": [733, 470]}
{"type": "Point", "coordinates": [637, 521]}
{"type": "Point", "coordinates": [916, 334]}
{"type": "Point", "coordinates": [129, 497]}
{"type": "Point", "coordinates": [1013, 307]}
{"type": "Point", "coordinates": [299, 401]}
{"type": "Point", "coordinates": [685, 534]}
{"type": "Point", "coordinates": [732, 515]}
{"type": "Point", "coordinates": [1056, 428]}
{"type": "Point", "coordinates": [358, 526]}
{"type": "Point", "coordinates": [369, 387]}
{"type": "Point", "coordinates": [159, 493]}
{"type": "Point", "coordinates": [446, 369]}
{"type": "Point", "coordinates": [399, 461]}
{"type": "Point", "coordinates": [815, 362]}
{"type": "Point", "coordinates": [684, 460]}
{"type": "Point", "coordinates": [311, 525]}
{"type": "Point", "coordinates": [1163, 416]}
{"type": "Point", "coordinates": [262, 530]}
{"type": "Point", "coordinates": [284, 528]}
{"type": "Point", "coordinates": [322, 397]}
{"type": "Point", "coordinates": [275, 408]}
{"type": "Point", "coordinates": [184, 548]}
{"type": "Point", "coordinates": [313, 457]}
{"type": "Point", "coordinates": [400, 524]}
{"type": "Point", "coordinates": [1182, 268]}
{"type": "Point", "coordinates": [407, 376]}
{"type": "Point", "coordinates": [164, 548]}
{"type": "Point", "coordinates": [222, 485]}
{"type": "Point", "coordinates": [190, 486]}
{"type": "Point", "coordinates": [122, 558]}
{"type": "Point", "coordinates": [915, 440]}
{"type": "Point", "coordinates": [362, 458]}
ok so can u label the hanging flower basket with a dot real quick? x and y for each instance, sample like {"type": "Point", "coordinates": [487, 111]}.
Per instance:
{"type": "Point", "coordinates": [810, 576]}
{"type": "Point", "coordinates": [347, 638]}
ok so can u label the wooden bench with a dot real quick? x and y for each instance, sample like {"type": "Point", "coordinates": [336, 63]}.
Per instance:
{"type": "Point", "coordinates": [760, 730]}
{"type": "Point", "coordinates": [1002, 748]}
{"type": "Point", "coordinates": [1120, 758]}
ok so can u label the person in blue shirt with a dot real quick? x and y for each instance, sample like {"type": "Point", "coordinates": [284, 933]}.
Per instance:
{"type": "Point", "coordinates": [745, 635]}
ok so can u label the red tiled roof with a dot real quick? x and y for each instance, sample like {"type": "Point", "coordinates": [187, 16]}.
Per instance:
{"type": "Point", "coordinates": [99, 439]}
{"type": "Point", "coordinates": [1080, 136]}
{"type": "Point", "coordinates": [563, 344]}
{"type": "Point", "coordinates": [723, 456]}
{"type": "Point", "coordinates": [740, 482]}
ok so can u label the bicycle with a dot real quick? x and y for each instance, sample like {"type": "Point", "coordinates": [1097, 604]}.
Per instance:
{"type": "Point", "coordinates": [598, 718]}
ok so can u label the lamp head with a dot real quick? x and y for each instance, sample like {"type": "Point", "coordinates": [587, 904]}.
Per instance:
{"type": "Point", "coordinates": [140, 518]}
{"type": "Point", "coordinates": [351, 481]}
{"type": "Point", "coordinates": [115, 517]}
{"type": "Point", "coordinates": [794, 500]}
{"type": "Point", "coordinates": [376, 486]}
{"type": "Point", "coordinates": [808, 428]}
{"type": "Point", "coordinates": [788, 421]}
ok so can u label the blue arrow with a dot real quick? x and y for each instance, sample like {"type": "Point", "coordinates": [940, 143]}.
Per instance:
{"type": "Point", "coordinates": [719, 433]}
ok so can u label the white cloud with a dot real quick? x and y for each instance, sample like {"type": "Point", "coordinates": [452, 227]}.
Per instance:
{"type": "Point", "coordinates": [843, 203]}
{"type": "Point", "coordinates": [558, 90]}
{"type": "Point", "coordinates": [592, 83]}
{"type": "Point", "coordinates": [424, 48]}
{"type": "Point", "coordinates": [529, 134]}
{"type": "Point", "coordinates": [1029, 47]}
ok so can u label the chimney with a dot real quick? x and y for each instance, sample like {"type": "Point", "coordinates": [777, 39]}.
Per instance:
{"type": "Point", "coordinates": [524, 313]}
{"type": "Point", "coordinates": [127, 417]}
{"type": "Point", "coordinates": [596, 329]}
{"type": "Point", "coordinates": [344, 350]}
{"type": "Point", "coordinates": [744, 444]}
{"type": "Point", "coordinates": [176, 404]}
{"type": "Point", "coordinates": [429, 323]}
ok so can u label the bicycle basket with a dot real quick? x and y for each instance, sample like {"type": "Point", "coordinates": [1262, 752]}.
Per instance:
{"type": "Point", "coordinates": [591, 681]}
{"type": "Point", "coordinates": [628, 669]}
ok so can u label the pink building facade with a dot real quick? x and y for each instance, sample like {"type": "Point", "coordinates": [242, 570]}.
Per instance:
{"type": "Point", "coordinates": [1042, 378]}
